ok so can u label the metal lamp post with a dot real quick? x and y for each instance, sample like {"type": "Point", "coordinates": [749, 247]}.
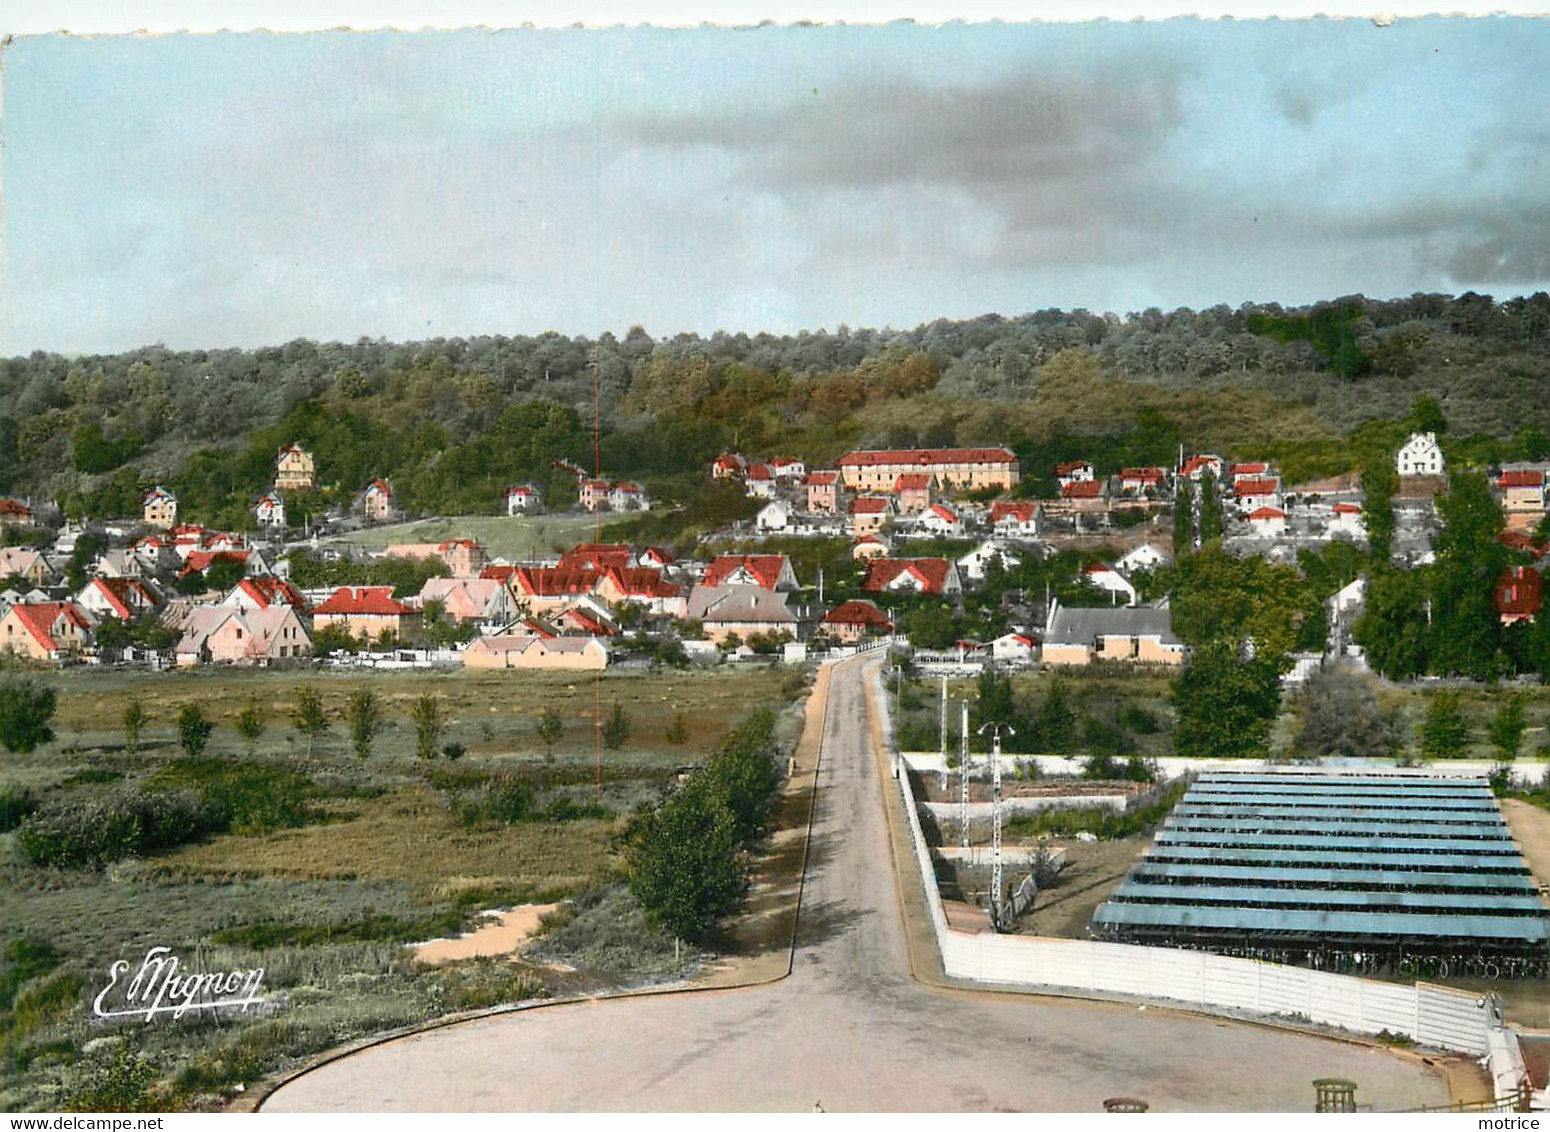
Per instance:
{"type": "Point", "coordinates": [997, 872]}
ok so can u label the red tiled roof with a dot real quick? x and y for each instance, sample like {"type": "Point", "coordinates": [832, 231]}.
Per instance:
{"type": "Point", "coordinates": [1082, 489]}
{"type": "Point", "coordinates": [926, 457]}
{"type": "Point", "coordinates": [765, 567]}
{"type": "Point", "coordinates": [455, 542]}
{"type": "Point", "coordinates": [760, 472]}
{"type": "Point", "coordinates": [1145, 475]}
{"type": "Point", "coordinates": [39, 619]}
{"type": "Point", "coordinates": [944, 512]}
{"type": "Point", "coordinates": [200, 560]}
{"type": "Point", "coordinates": [372, 600]}
{"type": "Point", "coordinates": [595, 556]}
{"type": "Point", "coordinates": [783, 462]}
{"type": "Point", "coordinates": [1251, 469]}
{"type": "Point", "coordinates": [519, 489]}
{"type": "Point", "coordinates": [120, 591]}
{"type": "Point", "coordinates": [821, 479]}
{"type": "Point", "coordinates": [913, 481]}
{"type": "Point", "coordinates": [1348, 509]}
{"type": "Point", "coordinates": [1518, 592]}
{"type": "Point", "coordinates": [1070, 466]}
{"type": "Point", "coordinates": [553, 581]}
{"type": "Point", "coordinates": [727, 460]}
{"type": "Point", "coordinates": [1266, 513]}
{"type": "Point", "coordinates": [1197, 463]}
{"type": "Point", "coordinates": [1517, 540]}
{"type": "Point", "coordinates": [868, 505]}
{"type": "Point", "coordinates": [1256, 487]}
{"type": "Point", "coordinates": [380, 485]}
{"type": "Point", "coordinates": [1097, 568]}
{"type": "Point", "coordinates": [15, 509]}
{"type": "Point", "coordinates": [272, 591]}
{"type": "Point", "coordinates": [586, 622]}
{"type": "Point", "coordinates": [1023, 510]}
{"type": "Point", "coordinates": [658, 555]}
{"type": "Point", "coordinates": [881, 572]}
{"type": "Point", "coordinates": [642, 581]}
{"type": "Point", "coordinates": [1525, 478]}
{"type": "Point", "coordinates": [497, 573]}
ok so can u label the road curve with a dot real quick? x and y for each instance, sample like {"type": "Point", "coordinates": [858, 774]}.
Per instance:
{"type": "Point", "coordinates": [849, 1029]}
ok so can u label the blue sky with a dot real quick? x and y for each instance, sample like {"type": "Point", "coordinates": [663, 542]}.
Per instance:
{"type": "Point", "coordinates": [242, 189]}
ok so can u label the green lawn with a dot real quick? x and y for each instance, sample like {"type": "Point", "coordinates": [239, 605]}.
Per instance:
{"type": "Point", "coordinates": [511, 537]}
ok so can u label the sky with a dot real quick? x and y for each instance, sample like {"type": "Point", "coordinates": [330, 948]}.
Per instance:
{"type": "Point", "coordinates": [219, 190]}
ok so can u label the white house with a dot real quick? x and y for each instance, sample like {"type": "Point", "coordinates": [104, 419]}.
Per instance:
{"type": "Point", "coordinates": [522, 498]}
{"type": "Point", "coordinates": [774, 516]}
{"type": "Point", "coordinates": [628, 497]}
{"type": "Point", "coordinates": [788, 470]}
{"type": "Point", "coordinates": [1013, 648]}
{"type": "Point", "coordinates": [759, 481]}
{"type": "Point", "coordinates": [270, 511]}
{"type": "Point", "coordinates": [1110, 579]}
{"type": "Point", "coordinates": [972, 565]}
{"type": "Point", "coordinates": [1267, 522]}
{"type": "Point", "coordinates": [1143, 557]}
{"type": "Point", "coordinates": [1347, 520]}
{"type": "Point", "coordinates": [1421, 456]}
{"type": "Point", "coordinates": [940, 519]}
{"type": "Point", "coordinates": [1074, 471]}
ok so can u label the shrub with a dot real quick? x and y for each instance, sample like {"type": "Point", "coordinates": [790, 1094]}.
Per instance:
{"type": "Point", "coordinates": [428, 725]}
{"type": "Point", "coordinates": [616, 727]}
{"type": "Point", "coordinates": [364, 712]}
{"type": "Point", "coordinates": [454, 751]}
{"type": "Point", "coordinates": [678, 731]}
{"type": "Point", "coordinates": [135, 719]}
{"type": "Point", "coordinates": [133, 823]}
{"type": "Point", "coordinates": [193, 730]}
{"type": "Point", "coordinates": [1139, 719]}
{"type": "Point", "coordinates": [26, 709]}
{"type": "Point", "coordinates": [308, 716]}
{"type": "Point", "coordinates": [122, 1086]}
{"type": "Point", "coordinates": [250, 724]}
{"type": "Point", "coordinates": [15, 805]}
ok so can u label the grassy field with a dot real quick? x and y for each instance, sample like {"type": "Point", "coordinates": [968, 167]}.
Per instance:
{"type": "Point", "coordinates": [512, 537]}
{"type": "Point", "coordinates": [327, 864]}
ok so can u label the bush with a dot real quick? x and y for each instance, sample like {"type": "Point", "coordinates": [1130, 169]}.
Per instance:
{"type": "Point", "coordinates": [681, 861]}
{"type": "Point", "coordinates": [193, 730]}
{"type": "Point", "coordinates": [1139, 720]}
{"type": "Point", "coordinates": [134, 823]}
{"type": "Point", "coordinates": [26, 708]}
{"type": "Point", "coordinates": [616, 728]}
{"type": "Point", "coordinates": [122, 1086]}
{"type": "Point", "coordinates": [15, 805]}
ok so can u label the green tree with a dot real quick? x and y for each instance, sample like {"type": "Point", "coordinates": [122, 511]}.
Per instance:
{"type": "Point", "coordinates": [193, 730]}
{"type": "Point", "coordinates": [616, 727]}
{"type": "Point", "coordinates": [1210, 508]}
{"type": "Point", "coordinates": [1183, 519]}
{"type": "Point", "coordinates": [1426, 416]}
{"type": "Point", "coordinates": [1224, 706]}
{"type": "Point", "coordinates": [1340, 718]}
{"type": "Point", "coordinates": [135, 719]}
{"type": "Point", "coordinates": [549, 726]}
{"type": "Point", "coordinates": [224, 573]}
{"type": "Point", "coordinates": [1444, 734]}
{"type": "Point", "coordinates": [681, 861]}
{"type": "Point", "coordinates": [1467, 628]}
{"type": "Point", "coordinates": [26, 709]}
{"type": "Point", "coordinates": [250, 724]}
{"type": "Point", "coordinates": [1055, 723]}
{"type": "Point", "coordinates": [744, 770]}
{"type": "Point", "coordinates": [428, 725]}
{"type": "Point", "coordinates": [308, 717]}
{"type": "Point", "coordinates": [678, 731]}
{"type": "Point", "coordinates": [363, 713]}
{"type": "Point", "coordinates": [1393, 626]}
{"type": "Point", "coordinates": [1506, 728]}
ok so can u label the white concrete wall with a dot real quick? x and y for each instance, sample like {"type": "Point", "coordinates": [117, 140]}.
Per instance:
{"type": "Point", "coordinates": [1435, 1016]}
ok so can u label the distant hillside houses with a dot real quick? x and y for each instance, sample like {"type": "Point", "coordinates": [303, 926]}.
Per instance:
{"type": "Point", "coordinates": [1421, 455]}
{"type": "Point", "coordinates": [964, 469]}
{"type": "Point", "coordinates": [376, 502]}
{"type": "Point", "coordinates": [294, 469]}
{"type": "Point", "coordinates": [522, 499]}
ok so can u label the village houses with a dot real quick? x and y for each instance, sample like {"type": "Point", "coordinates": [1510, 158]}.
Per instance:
{"type": "Point", "coordinates": [294, 469]}
{"type": "Point", "coordinates": [159, 508]}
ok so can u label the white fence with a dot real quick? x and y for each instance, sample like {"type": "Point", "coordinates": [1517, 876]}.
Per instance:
{"type": "Point", "coordinates": [1432, 1015]}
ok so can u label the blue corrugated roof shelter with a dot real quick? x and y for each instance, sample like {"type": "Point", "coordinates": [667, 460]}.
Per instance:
{"type": "Point", "coordinates": [1308, 865]}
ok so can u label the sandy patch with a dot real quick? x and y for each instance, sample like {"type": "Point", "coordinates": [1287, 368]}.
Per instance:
{"type": "Point", "coordinates": [505, 932]}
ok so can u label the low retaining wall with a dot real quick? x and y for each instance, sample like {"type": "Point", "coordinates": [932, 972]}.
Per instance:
{"type": "Point", "coordinates": [1431, 1015]}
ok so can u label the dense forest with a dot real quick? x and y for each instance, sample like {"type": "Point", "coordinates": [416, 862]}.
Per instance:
{"type": "Point", "coordinates": [453, 421]}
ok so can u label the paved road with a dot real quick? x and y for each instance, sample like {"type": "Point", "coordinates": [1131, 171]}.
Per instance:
{"type": "Point", "coordinates": [849, 1029]}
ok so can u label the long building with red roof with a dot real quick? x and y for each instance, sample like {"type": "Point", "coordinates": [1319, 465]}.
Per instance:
{"type": "Point", "coordinates": [961, 468]}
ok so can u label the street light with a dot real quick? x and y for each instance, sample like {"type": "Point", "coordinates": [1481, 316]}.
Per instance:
{"type": "Point", "coordinates": [996, 870]}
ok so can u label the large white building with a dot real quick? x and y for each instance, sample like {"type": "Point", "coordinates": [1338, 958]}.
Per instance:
{"type": "Point", "coordinates": [1420, 456]}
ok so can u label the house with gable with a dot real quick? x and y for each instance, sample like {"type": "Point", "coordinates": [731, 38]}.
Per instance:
{"type": "Point", "coordinates": [643, 586]}
{"type": "Point", "coordinates": [869, 514]}
{"type": "Point", "coordinates": [853, 621]}
{"type": "Point", "coordinates": [377, 501]}
{"type": "Point", "coordinates": [958, 469]}
{"type": "Point", "coordinates": [740, 609]}
{"type": "Point", "coordinates": [972, 566]}
{"type": "Point", "coordinates": [522, 499]}
{"type": "Point", "coordinates": [1252, 494]}
{"type": "Point", "coordinates": [1013, 649]}
{"type": "Point", "coordinates": [366, 610]}
{"type": "Point", "coordinates": [788, 470]}
{"type": "Point", "coordinates": [53, 631]}
{"type": "Point", "coordinates": [1519, 594]}
{"type": "Point", "coordinates": [775, 517]}
{"type": "Point", "coordinates": [728, 465]}
{"type": "Point", "coordinates": [123, 599]}
{"type": "Point", "coordinates": [159, 508]}
{"type": "Point", "coordinates": [269, 511]}
{"type": "Point", "coordinates": [870, 546]}
{"type": "Point", "coordinates": [224, 634]}
{"type": "Point", "coordinates": [823, 492]}
{"type": "Point", "coordinates": [1074, 471]}
{"type": "Point", "coordinates": [264, 593]}
{"type": "Point", "coordinates": [1142, 481]}
{"type": "Point", "coordinates": [626, 496]}
{"type": "Point", "coordinates": [597, 556]}
{"type": "Point", "coordinates": [1110, 580]}
{"type": "Point", "coordinates": [482, 600]}
{"type": "Point", "coordinates": [1195, 468]}
{"type": "Point", "coordinates": [913, 492]}
{"type": "Point", "coordinates": [1016, 517]}
{"type": "Point", "coordinates": [759, 481]}
{"type": "Point", "coordinates": [1267, 522]}
{"type": "Point", "coordinates": [1346, 521]}
{"type": "Point", "coordinates": [1420, 455]}
{"type": "Point", "coordinates": [535, 651]}
{"type": "Point", "coordinates": [1142, 557]}
{"type": "Point", "coordinates": [33, 565]}
{"type": "Point", "coordinates": [294, 469]}
{"type": "Point", "coordinates": [767, 571]}
{"type": "Point", "coordinates": [941, 519]}
{"type": "Point", "coordinates": [14, 513]}
{"type": "Point", "coordinates": [931, 576]}
{"type": "Point", "coordinates": [1522, 492]}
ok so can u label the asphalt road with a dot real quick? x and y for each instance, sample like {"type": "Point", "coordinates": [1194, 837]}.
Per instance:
{"type": "Point", "coordinates": [850, 1029]}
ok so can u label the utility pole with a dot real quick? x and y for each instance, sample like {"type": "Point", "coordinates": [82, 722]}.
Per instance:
{"type": "Point", "coordinates": [944, 732]}
{"type": "Point", "coordinates": [963, 779]}
{"type": "Point", "coordinates": [997, 869]}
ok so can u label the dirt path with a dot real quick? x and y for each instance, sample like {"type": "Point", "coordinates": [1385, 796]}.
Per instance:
{"type": "Point", "coordinates": [505, 932]}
